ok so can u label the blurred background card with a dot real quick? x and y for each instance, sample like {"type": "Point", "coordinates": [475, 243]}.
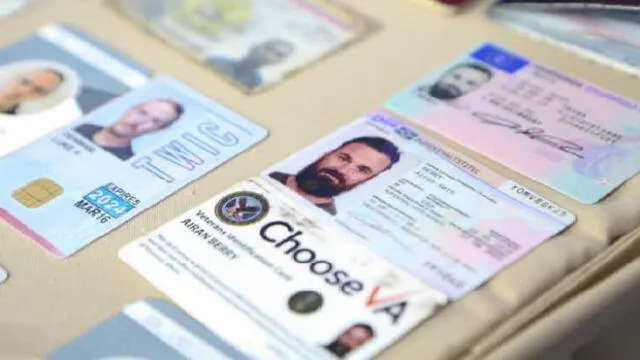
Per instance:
{"type": "Point", "coordinates": [253, 43]}
{"type": "Point", "coordinates": [150, 329]}
{"type": "Point", "coordinates": [8, 7]}
{"type": "Point", "coordinates": [604, 31]}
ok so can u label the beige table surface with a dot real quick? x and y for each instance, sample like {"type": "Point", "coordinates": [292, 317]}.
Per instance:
{"type": "Point", "coordinates": [47, 301]}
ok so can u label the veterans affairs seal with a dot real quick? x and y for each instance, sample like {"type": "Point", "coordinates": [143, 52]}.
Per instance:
{"type": "Point", "coordinates": [242, 208]}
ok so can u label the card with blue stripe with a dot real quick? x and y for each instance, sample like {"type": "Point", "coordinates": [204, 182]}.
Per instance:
{"type": "Point", "coordinates": [75, 185]}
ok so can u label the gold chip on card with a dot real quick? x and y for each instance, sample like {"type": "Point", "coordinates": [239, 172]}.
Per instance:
{"type": "Point", "coordinates": [37, 193]}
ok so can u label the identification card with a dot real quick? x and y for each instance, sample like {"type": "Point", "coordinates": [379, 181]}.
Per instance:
{"type": "Point", "coordinates": [253, 43]}
{"type": "Point", "coordinates": [576, 138]}
{"type": "Point", "coordinates": [435, 213]}
{"type": "Point", "coordinates": [278, 282]}
{"type": "Point", "coordinates": [53, 78]}
{"type": "Point", "coordinates": [150, 329]}
{"type": "Point", "coordinates": [77, 184]}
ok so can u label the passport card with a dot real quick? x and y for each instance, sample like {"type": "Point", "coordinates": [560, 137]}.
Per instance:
{"type": "Point", "coordinates": [437, 214]}
{"type": "Point", "coordinates": [149, 329]}
{"type": "Point", "coordinates": [252, 43]}
{"type": "Point", "coordinates": [277, 281]}
{"type": "Point", "coordinates": [77, 184]}
{"type": "Point", "coordinates": [573, 137]}
{"type": "Point", "coordinates": [55, 76]}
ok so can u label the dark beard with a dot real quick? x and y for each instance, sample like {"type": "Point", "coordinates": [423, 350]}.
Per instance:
{"type": "Point", "coordinates": [444, 92]}
{"type": "Point", "coordinates": [311, 183]}
{"type": "Point", "coordinates": [338, 349]}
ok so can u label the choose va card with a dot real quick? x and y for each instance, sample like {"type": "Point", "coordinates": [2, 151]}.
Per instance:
{"type": "Point", "coordinates": [437, 214]}
{"type": "Point", "coordinates": [278, 282]}
{"type": "Point", "coordinates": [75, 185]}
{"type": "Point", "coordinates": [54, 77]}
{"type": "Point", "coordinates": [253, 43]}
{"type": "Point", "coordinates": [569, 135]}
{"type": "Point", "coordinates": [150, 329]}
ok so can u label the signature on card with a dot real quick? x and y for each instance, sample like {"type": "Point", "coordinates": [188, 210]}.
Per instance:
{"type": "Point", "coordinates": [534, 133]}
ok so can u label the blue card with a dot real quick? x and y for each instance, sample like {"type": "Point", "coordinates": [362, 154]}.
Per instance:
{"type": "Point", "coordinates": [77, 184]}
{"type": "Point", "coordinates": [150, 329]}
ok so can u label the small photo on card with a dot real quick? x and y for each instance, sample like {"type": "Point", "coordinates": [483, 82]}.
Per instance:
{"type": "Point", "coordinates": [435, 213]}
{"type": "Point", "coordinates": [253, 43]}
{"type": "Point", "coordinates": [150, 329]}
{"type": "Point", "coordinates": [277, 281]}
{"type": "Point", "coordinates": [76, 184]}
{"type": "Point", "coordinates": [574, 137]}
{"type": "Point", "coordinates": [54, 77]}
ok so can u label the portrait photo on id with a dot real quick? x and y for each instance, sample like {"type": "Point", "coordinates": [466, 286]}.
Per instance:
{"type": "Point", "coordinates": [32, 87]}
{"type": "Point", "coordinates": [457, 82]}
{"type": "Point", "coordinates": [350, 340]}
{"type": "Point", "coordinates": [145, 118]}
{"type": "Point", "coordinates": [246, 70]}
{"type": "Point", "coordinates": [336, 172]}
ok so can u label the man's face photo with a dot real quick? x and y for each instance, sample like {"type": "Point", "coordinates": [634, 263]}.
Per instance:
{"type": "Point", "coordinates": [145, 118]}
{"type": "Point", "coordinates": [270, 52]}
{"type": "Point", "coordinates": [460, 81]}
{"type": "Point", "coordinates": [342, 169]}
{"type": "Point", "coordinates": [353, 338]}
{"type": "Point", "coordinates": [30, 86]}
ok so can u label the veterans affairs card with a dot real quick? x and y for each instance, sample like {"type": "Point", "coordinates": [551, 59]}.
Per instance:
{"type": "Point", "coordinates": [576, 138]}
{"type": "Point", "coordinates": [149, 329]}
{"type": "Point", "coordinates": [253, 43]}
{"type": "Point", "coordinates": [437, 214]}
{"type": "Point", "coordinates": [278, 282]}
{"type": "Point", "coordinates": [54, 77]}
{"type": "Point", "coordinates": [75, 185]}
